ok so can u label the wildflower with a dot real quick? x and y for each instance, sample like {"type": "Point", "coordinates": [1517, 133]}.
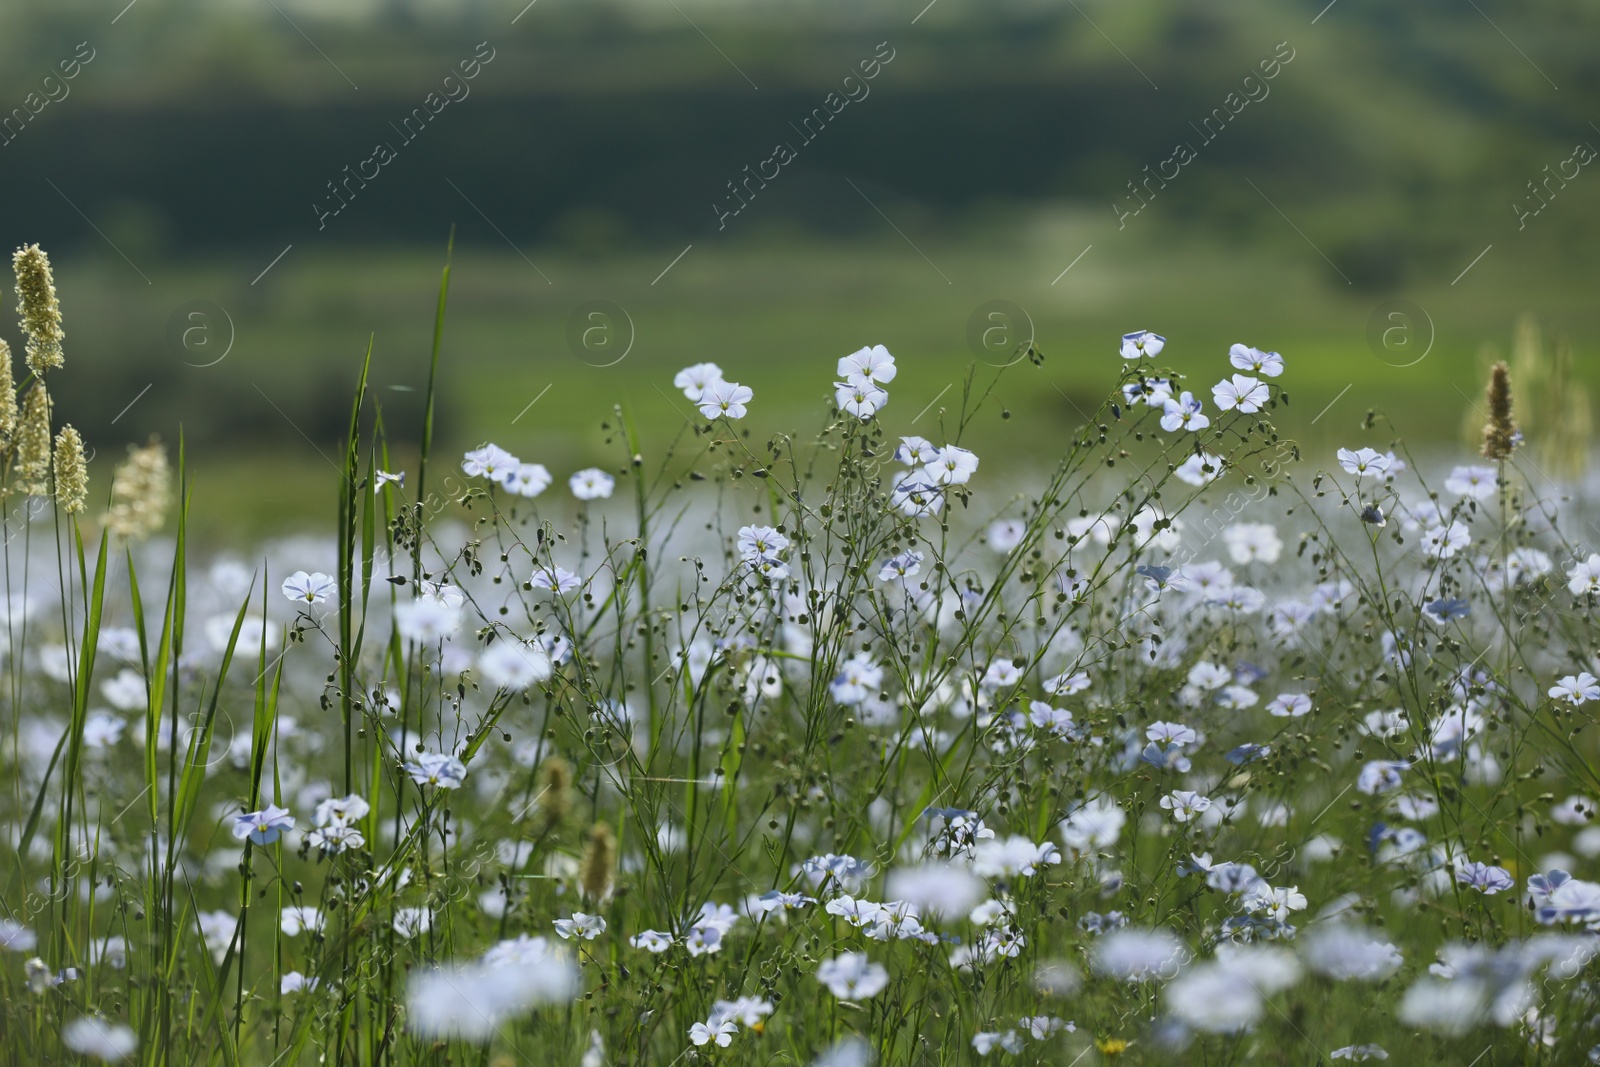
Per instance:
{"type": "Point", "coordinates": [438, 769]}
{"type": "Point", "coordinates": [1476, 482]}
{"type": "Point", "coordinates": [1253, 359]}
{"type": "Point", "coordinates": [1183, 414]}
{"type": "Point", "coordinates": [1289, 705]}
{"type": "Point", "coordinates": [14, 937]}
{"type": "Point", "coordinates": [38, 310]}
{"type": "Point", "coordinates": [904, 566]}
{"type": "Point", "coordinates": [1445, 611]}
{"type": "Point", "coordinates": [95, 1037]}
{"type": "Point", "coordinates": [1342, 952]}
{"type": "Point", "coordinates": [141, 492]}
{"type": "Point", "coordinates": [873, 364]}
{"type": "Point", "coordinates": [529, 479]}
{"type": "Point", "coordinates": [852, 976]}
{"type": "Point", "coordinates": [1363, 461]}
{"type": "Point", "coordinates": [491, 462]}
{"type": "Point", "coordinates": [1243, 392]}
{"type": "Point", "coordinates": [713, 1029]}
{"type": "Point", "coordinates": [310, 588]}
{"type": "Point", "coordinates": [1141, 343]}
{"type": "Point", "coordinates": [474, 1000]}
{"type": "Point", "coordinates": [1138, 955]}
{"type": "Point", "coordinates": [1484, 878]}
{"type": "Point", "coordinates": [1584, 577]}
{"type": "Point", "coordinates": [860, 399]}
{"type": "Point", "coordinates": [1199, 469]}
{"type": "Point", "coordinates": [941, 888]}
{"type": "Point", "coordinates": [72, 479]}
{"type": "Point", "coordinates": [859, 677]}
{"type": "Point", "coordinates": [263, 827]}
{"type": "Point", "coordinates": [1577, 688]}
{"type": "Point", "coordinates": [1185, 804]}
{"type": "Point", "coordinates": [1443, 542]}
{"type": "Point", "coordinates": [587, 927]}
{"type": "Point", "coordinates": [915, 495]}
{"type": "Point", "coordinates": [695, 380]}
{"type": "Point", "coordinates": [951, 466]}
{"type": "Point", "coordinates": [1094, 825]}
{"type": "Point", "coordinates": [1359, 1053]}
{"type": "Point", "coordinates": [1004, 535]}
{"type": "Point", "coordinates": [295, 982]}
{"type": "Point", "coordinates": [1500, 434]}
{"type": "Point", "coordinates": [427, 619]}
{"type": "Point", "coordinates": [761, 542]}
{"type": "Point", "coordinates": [986, 1042]}
{"type": "Point", "coordinates": [651, 941]}
{"type": "Point", "coordinates": [294, 921]}
{"type": "Point", "coordinates": [591, 483]}
{"type": "Point", "coordinates": [727, 399]}
{"type": "Point", "coordinates": [33, 443]}
{"type": "Point", "coordinates": [1249, 542]}
{"type": "Point", "coordinates": [1015, 855]}
{"type": "Point", "coordinates": [1372, 515]}
{"type": "Point", "coordinates": [1380, 776]}
{"type": "Point", "coordinates": [383, 478]}
{"type": "Point", "coordinates": [915, 451]}
{"type": "Point", "coordinates": [515, 664]}
{"type": "Point", "coordinates": [747, 1011]}
{"type": "Point", "coordinates": [558, 580]}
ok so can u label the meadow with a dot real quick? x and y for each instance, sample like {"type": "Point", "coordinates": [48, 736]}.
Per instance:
{"type": "Point", "coordinates": [847, 703]}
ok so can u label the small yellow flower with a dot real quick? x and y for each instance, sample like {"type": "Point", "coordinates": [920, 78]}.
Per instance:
{"type": "Point", "coordinates": [1111, 1046]}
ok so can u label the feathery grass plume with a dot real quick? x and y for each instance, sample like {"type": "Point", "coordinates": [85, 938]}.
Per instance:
{"type": "Point", "coordinates": [72, 477]}
{"type": "Point", "coordinates": [8, 394]}
{"type": "Point", "coordinates": [555, 792]}
{"type": "Point", "coordinates": [599, 863]}
{"type": "Point", "coordinates": [38, 311]}
{"type": "Point", "coordinates": [33, 443]}
{"type": "Point", "coordinates": [1499, 433]}
{"type": "Point", "coordinates": [141, 492]}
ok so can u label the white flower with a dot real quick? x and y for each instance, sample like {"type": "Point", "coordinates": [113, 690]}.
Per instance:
{"type": "Point", "coordinates": [558, 580]}
{"type": "Point", "coordinates": [726, 399]}
{"type": "Point", "coordinates": [873, 364]}
{"type": "Point", "coordinates": [1344, 952]}
{"type": "Point", "coordinates": [1363, 461]}
{"type": "Point", "coordinates": [1185, 804]}
{"type": "Point", "coordinates": [592, 483]}
{"type": "Point", "coordinates": [861, 399]}
{"type": "Point", "coordinates": [985, 1042]}
{"type": "Point", "coordinates": [513, 664]}
{"type": "Point", "coordinates": [1247, 394]}
{"type": "Point", "coordinates": [263, 827]}
{"type": "Point", "coordinates": [1476, 482]}
{"type": "Point", "coordinates": [491, 462]}
{"type": "Point", "coordinates": [952, 466]}
{"type": "Point", "coordinates": [1137, 955]}
{"type": "Point", "coordinates": [1289, 705]}
{"type": "Point", "coordinates": [383, 478]}
{"type": "Point", "coordinates": [309, 588]}
{"type": "Point", "coordinates": [14, 937]}
{"type": "Point", "coordinates": [587, 927]}
{"type": "Point", "coordinates": [98, 1038]}
{"type": "Point", "coordinates": [295, 920]}
{"type": "Point", "coordinates": [1006, 534]}
{"type": "Point", "coordinates": [126, 690]}
{"type": "Point", "coordinates": [761, 542]}
{"type": "Point", "coordinates": [1577, 688]}
{"type": "Point", "coordinates": [651, 941]}
{"type": "Point", "coordinates": [915, 451]}
{"type": "Point", "coordinates": [295, 982]}
{"type": "Point", "coordinates": [1095, 825]}
{"type": "Point", "coordinates": [437, 769]}
{"type": "Point", "coordinates": [427, 619]}
{"type": "Point", "coordinates": [1141, 343]}
{"type": "Point", "coordinates": [714, 1029]}
{"type": "Point", "coordinates": [1584, 577]}
{"type": "Point", "coordinates": [1199, 470]}
{"type": "Point", "coordinates": [1251, 541]}
{"type": "Point", "coordinates": [695, 380]}
{"type": "Point", "coordinates": [852, 976]}
{"type": "Point", "coordinates": [1183, 414]}
{"type": "Point", "coordinates": [474, 1000]}
{"type": "Point", "coordinates": [905, 565]}
{"type": "Point", "coordinates": [529, 479]}
{"type": "Point", "coordinates": [1253, 359]}
{"type": "Point", "coordinates": [1443, 542]}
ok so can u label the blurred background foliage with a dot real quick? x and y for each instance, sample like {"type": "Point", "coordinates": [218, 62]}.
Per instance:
{"type": "Point", "coordinates": [992, 152]}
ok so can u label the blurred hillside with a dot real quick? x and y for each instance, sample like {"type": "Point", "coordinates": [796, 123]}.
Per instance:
{"type": "Point", "coordinates": [999, 142]}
